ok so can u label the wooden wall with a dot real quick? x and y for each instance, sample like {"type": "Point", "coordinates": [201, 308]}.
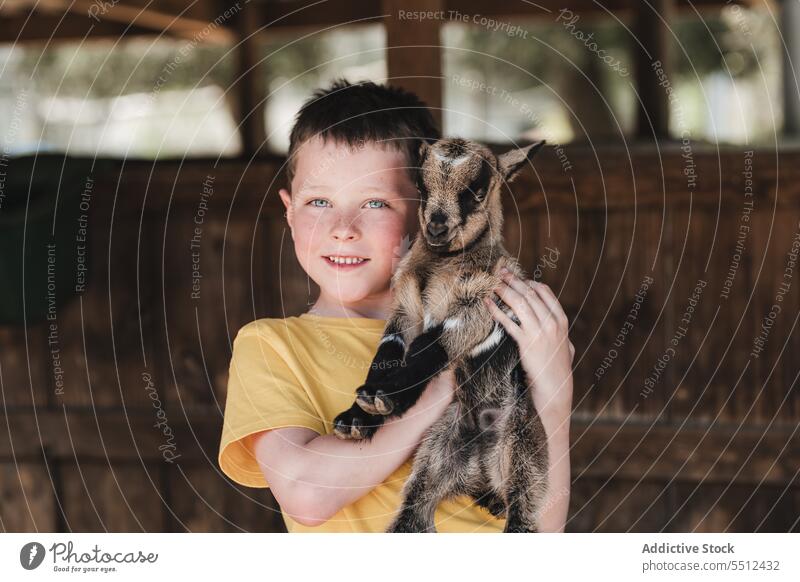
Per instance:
{"type": "Point", "coordinates": [713, 446]}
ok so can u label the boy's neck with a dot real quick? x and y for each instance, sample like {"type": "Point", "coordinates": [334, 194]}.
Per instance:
{"type": "Point", "coordinates": [378, 308]}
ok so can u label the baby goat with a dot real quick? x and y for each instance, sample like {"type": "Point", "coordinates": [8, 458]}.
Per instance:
{"type": "Point", "coordinates": [489, 443]}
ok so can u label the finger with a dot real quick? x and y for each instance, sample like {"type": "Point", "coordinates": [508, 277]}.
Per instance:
{"type": "Point", "coordinates": [499, 315]}
{"type": "Point", "coordinates": [552, 302]}
{"type": "Point", "coordinates": [518, 304]}
{"type": "Point", "coordinates": [527, 290]}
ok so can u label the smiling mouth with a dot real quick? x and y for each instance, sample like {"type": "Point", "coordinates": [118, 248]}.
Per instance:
{"type": "Point", "coordinates": [344, 261]}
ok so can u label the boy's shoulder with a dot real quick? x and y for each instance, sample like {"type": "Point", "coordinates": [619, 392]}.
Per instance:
{"type": "Point", "coordinates": [309, 328]}
{"type": "Point", "coordinates": [268, 327]}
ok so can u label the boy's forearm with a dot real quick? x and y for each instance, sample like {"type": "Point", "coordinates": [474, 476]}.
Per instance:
{"type": "Point", "coordinates": [338, 472]}
{"type": "Point", "coordinates": [556, 421]}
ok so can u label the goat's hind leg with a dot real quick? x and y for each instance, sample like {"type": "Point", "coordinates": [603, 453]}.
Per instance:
{"type": "Point", "coordinates": [526, 482]}
{"type": "Point", "coordinates": [434, 475]}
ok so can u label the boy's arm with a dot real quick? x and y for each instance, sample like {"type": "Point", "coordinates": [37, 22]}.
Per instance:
{"type": "Point", "coordinates": [555, 416]}
{"type": "Point", "coordinates": [313, 477]}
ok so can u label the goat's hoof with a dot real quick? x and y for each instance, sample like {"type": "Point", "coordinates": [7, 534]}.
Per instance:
{"type": "Point", "coordinates": [355, 424]}
{"type": "Point", "coordinates": [374, 400]}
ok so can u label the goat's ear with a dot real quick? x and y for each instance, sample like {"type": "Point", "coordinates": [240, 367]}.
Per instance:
{"type": "Point", "coordinates": [422, 152]}
{"type": "Point", "coordinates": [512, 161]}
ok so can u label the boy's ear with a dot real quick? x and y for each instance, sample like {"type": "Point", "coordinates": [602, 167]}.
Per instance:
{"type": "Point", "coordinates": [512, 161]}
{"type": "Point", "coordinates": [286, 198]}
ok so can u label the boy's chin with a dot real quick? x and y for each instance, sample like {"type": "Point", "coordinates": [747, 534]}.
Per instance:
{"type": "Point", "coordinates": [347, 297]}
{"type": "Point", "coordinates": [348, 292]}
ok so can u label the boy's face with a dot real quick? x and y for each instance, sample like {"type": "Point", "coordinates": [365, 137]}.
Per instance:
{"type": "Point", "coordinates": [354, 205]}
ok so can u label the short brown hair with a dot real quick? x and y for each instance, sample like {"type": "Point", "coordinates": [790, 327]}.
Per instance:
{"type": "Point", "coordinates": [363, 112]}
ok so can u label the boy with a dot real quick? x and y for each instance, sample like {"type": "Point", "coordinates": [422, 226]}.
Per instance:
{"type": "Point", "coordinates": [352, 203]}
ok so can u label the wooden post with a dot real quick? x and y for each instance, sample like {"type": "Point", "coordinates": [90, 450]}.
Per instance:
{"type": "Point", "coordinates": [652, 44]}
{"type": "Point", "coordinates": [790, 28]}
{"type": "Point", "coordinates": [249, 82]}
{"type": "Point", "coordinates": [413, 54]}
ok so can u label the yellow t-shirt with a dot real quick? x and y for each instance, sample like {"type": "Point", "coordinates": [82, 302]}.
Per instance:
{"type": "Point", "coordinates": [303, 371]}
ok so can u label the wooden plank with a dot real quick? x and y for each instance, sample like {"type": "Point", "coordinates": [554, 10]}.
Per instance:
{"type": "Point", "coordinates": [213, 283]}
{"type": "Point", "coordinates": [632, 336]}
{"type": "Point", "coordinates": [735, 508]}
{"type": "Point", "coordinates": [26, 366]}
{"type": "Point", "coordinates": [116, 305]}
{"type": "Point", "coordinates": [204, 500]}
{"type": "Point", "coordinates": [642, 176]}
{"type": "Point", "coordinates": [706, 373]}
{"type": "Point", "coordinates": [26, 498]}
{"type": "Point", "coordinates": [688, 451]}
{"type": "Point", "coordinates": [774, 342]}
{"type": "Point", "coordinates": [617, 505]}
{"type": "Point", "coordinates": [120, 497]}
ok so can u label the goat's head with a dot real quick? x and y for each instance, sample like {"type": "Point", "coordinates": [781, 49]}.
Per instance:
{"type": "Point", "coordinates": [459, 183]}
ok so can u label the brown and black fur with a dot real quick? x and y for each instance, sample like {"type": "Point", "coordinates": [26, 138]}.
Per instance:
{"type": "Point", "coordinates": [489, 443]}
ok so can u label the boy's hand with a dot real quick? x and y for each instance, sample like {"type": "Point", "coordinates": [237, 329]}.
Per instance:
{"type": "Point", "coordinates": [542, 335]}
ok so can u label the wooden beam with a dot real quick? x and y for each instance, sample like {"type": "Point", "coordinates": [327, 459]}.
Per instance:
{"type": "Point", "coordinates": [177, 25]}
{"type": "Point", "coordinates": [34, 27]}
{"type": "Point", "coordinates": [790, 30]}
{"type": "Point", "coordinates": [78, 19]}
{"type": "Point", "coordinates": [303, 13]}
{"type": "Point", "coordinates": [286, 15]}
{"type": "Point", "coordinates": [651, 55]}
{"type": "Point", "coordinates": [250, 81]}
{"type": "Point", "coordinates": [658, 452]}
{"type": "Point", "coordinates": [627, 174]}
{"type": "Point", "coordinates": [413, 53]}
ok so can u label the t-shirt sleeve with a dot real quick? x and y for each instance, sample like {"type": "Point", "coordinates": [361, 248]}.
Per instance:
{"type": "Point", "coordinates": [263, 393]}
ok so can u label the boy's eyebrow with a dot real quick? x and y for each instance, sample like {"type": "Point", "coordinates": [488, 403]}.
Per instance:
{"type": "Point", "coordinates": [313, 186]}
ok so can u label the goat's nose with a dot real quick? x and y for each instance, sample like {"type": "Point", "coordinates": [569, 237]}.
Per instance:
{"type": "Point", "coordinates": [436, 228]}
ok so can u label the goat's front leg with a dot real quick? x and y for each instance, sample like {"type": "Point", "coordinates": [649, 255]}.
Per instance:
{"type": "Point", "coordinates": [425, 359]}
{"type": "Point", "coordinates": [388, 359]}
{"type": "Point", "coordinates": [367, 413]}
{"type": "Point", "coordinates": [467, 328]}
{"type": "Point", "coordinates": [395, 392]}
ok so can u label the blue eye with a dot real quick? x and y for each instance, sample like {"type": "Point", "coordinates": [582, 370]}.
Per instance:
{"type": "Point", "coordinates": [381, 202]}
{"type": "Point", "coordinates": [312, 202]}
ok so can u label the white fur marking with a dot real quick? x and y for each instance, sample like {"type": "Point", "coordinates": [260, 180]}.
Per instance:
{"type": "Point", "coordinates": [491, 341]}
{"type": "Point", "coordinates": [452, 161]}
{"type": "Point", "coordinates": [394, 337]}
{"type": "Point", "coordinates": [452, 323]}
{"type": "Point", "coordinates": [427, 323]}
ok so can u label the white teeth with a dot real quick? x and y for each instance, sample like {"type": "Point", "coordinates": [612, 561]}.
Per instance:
{"type": "Point", "coordinates": [347, 260]}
